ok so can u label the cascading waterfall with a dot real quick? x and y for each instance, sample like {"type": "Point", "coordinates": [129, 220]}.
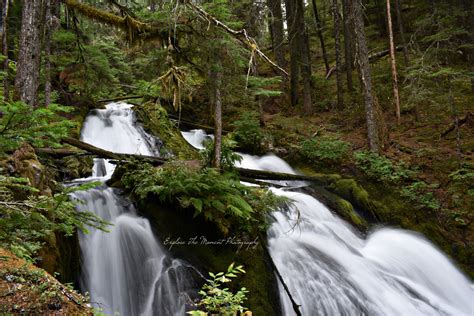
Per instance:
{"type": "Point", "coordinates": [331, 269]}
{"type": "Point", "coordinates": [126, 270]}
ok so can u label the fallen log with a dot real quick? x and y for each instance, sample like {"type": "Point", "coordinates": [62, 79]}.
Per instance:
{"type": "Point", "coordinates": [121, 98]}
{"type": "Point", "coordinates": [111, 155]}
{"type": "Point", "coordinates": [372, 58]}
{"type": "Point", "coordinates": [244, 173]}
{"type": "Point", "coordinates": [468, 117]}
{"type": "Point", "coordinates": [322, 180]}
{"type": "Point", "coordinates": [60, 152]}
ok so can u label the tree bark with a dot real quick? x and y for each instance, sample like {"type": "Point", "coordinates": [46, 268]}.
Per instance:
{"type": "Point", "coordinates": [337, 40]}
{"type": "Point", "coordinates": [28, 65]}
{"type": "Point", "coordinates": [294, 50]}
{"type": "Point", "coordinates": [47, 50]}
{"type": "Point", "coordinates": [362, 54]}
{"type": "Point", "coordinates": [4, 39]}
{"type": "Point", "coordinates": [320, 35]}
{"type": "Point", "coordinates": [216, 78]}
{"type": "Point", "coordinates": [347, 45]}
{"type": "Point", "coordinates": [401, 29]}
{"type": "Point", "coordinates": [393, 62]}
{"type": "Point", "coordinates": [276, 31]}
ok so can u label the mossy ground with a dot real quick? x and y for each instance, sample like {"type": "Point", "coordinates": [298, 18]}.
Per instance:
{"type": "Point", "coordinates": [28, 290]}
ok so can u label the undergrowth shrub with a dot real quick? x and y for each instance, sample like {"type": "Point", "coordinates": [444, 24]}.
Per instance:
{"type": "Point", "coordinates": [382, 169]}
{"type": "Point", "coordinates": [25, 222]}
{"type": "Point", "coordinates": [248, 134]}
{"type": "Point", "coordinates": [219, 198]}
{"type": "Point", "coordinates": [419, 193]}
{"type": "Point", "coordinates": [325, 148]}
{"type": "Point", "coordinates": [217, 299]}
{"type": "Point", "coordinates": [40, 127]}
{"type": "Point", "coordinates": [228, 156]}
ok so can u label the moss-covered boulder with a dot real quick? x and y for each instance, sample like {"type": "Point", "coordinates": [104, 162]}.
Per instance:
{"type": "Point", "coordinates": [201, 243]}
{"type": "Point", "coordinates": [156, 122]}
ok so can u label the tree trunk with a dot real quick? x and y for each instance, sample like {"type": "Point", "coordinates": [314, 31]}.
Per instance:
{"type": "Point", "coordinates": [47, 51]}
{"type": "Point", "coordinates": [294, 49]}
{"type": "Point", "coordinates": [216, 78]}
{"type": "Point", "coordinates": [402, 31]}
{"type": "Point", "coordinates": [276, 31]}
{"type": "Point", "coordinates": [362, 54]}
{"type": "Point", "coordinates": [393, 62]}
{"type": "Point", "coordinates": [320, 35]}
{"type": "Point", "coordinates": [347, 45]}
{"type": "Point", "coordinates": [303, 43]}
{"type": "Point", "coordinates": [4, 39]}
{"type": "Point", "coordinates": [337, 39]}
{"type": "Point", "coordinates": [28, 65]}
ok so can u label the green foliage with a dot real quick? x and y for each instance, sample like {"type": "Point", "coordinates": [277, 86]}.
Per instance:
{"type": "Point", "coordinates": [40, 127]}
{"type": "Point", "coordinates": [417, 192]}
{"type": "Point", "coordinates": [324, 148]}
{"type": "Point", "coordinates": [228, 156]}
{"type": "Point", "coordinates": [219, 198]}
{"type": "Point", "coordinates": [248, 133]}
{"type": "Point", "coordinates": [97, 68]}
{"type": "Point", "coordinates": [261, 86]}
{"type": "Point", "coordinates": [381, 169]}
{"type": "Point", "coordinates": [217, 299]}
{"type": "Point", "coordinates": [24, 222]}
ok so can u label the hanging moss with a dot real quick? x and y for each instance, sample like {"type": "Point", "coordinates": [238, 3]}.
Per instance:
{"type": "Point", "coordinates": [131, 26]}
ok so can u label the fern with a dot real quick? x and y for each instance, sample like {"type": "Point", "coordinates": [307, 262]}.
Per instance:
{"type": "Point", "coordinates": [219, 198]}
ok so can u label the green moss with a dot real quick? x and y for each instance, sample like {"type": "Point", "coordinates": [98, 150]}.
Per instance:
{"type": "Point", "coordinates": [339, 205]}
{"type": "Point", "coordinates": [155, 120]}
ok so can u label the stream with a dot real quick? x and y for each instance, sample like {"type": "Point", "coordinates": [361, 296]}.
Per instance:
{"type": "Point", "coordinates": [329, 267]}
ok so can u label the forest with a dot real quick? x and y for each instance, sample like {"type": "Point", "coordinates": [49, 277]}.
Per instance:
{"type": "Point", "coordinates": [222, 157]}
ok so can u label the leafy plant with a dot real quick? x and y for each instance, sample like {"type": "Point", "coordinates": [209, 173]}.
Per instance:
{"type": "Point", "coordinates": [418, 192]}
{"type": "Point", "coordinates": [380, 168]}
{"type": "Point", "coordinates": [327, 149]}
{"type": "Point", "coordinates": [25, 221]}
{"type": "Point", "coordinates": [38, 126]}
{"type": "Point", "coordinates": [218, 299]}
{"type": "Point", "coordinates": [248, 134]}
{"type": "Point", "coordinates": [219, 198]}
{"type": "Point", "coordinates": [228, 156]}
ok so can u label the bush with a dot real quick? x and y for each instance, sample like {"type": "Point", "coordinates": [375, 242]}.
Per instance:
{"type": "Point", "coordinates": [24, 222]}
{"type": "Point", "coordinates": [219, 300]}
{"type": "Point", "coordinates": [219, 198]}
{"type": "Point", "coordinates": [248, 134]}
{"type": "Point", "coordinates": [380, 168]}
{"type": "Point", "coordinates": [40, 127]}
{"type": "Point", "coordinates": [228, 156]}
{"type": "Point", "coordinates": [326, 149]}
{"type": "Point", "coordinates": [418, 192]}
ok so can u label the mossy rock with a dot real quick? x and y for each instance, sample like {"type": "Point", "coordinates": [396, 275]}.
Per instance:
{"type": "Point", "coordinates": [339, 205]}
{"type": "Point", "coordinates": [155, 120]}
{"type": "Point", "coordinates": [171, 223]}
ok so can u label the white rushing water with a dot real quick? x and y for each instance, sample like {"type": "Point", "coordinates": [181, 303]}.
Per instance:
{"type": "Point", "coordinates": [127, 270]}
{"type": "Point", "coordinates": [331, 269]}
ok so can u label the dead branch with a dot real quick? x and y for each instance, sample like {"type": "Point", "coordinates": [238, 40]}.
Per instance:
{"type": "Point", "coordinates": [372, 58]}
{"type": "Point", "coordinates": [240, 35]}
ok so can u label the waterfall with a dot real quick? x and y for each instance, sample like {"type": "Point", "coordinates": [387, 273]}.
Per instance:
{"type": "Point", "coordinates": [331, 269]}
{"type": "Point", "coordinates": [126, 270]}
